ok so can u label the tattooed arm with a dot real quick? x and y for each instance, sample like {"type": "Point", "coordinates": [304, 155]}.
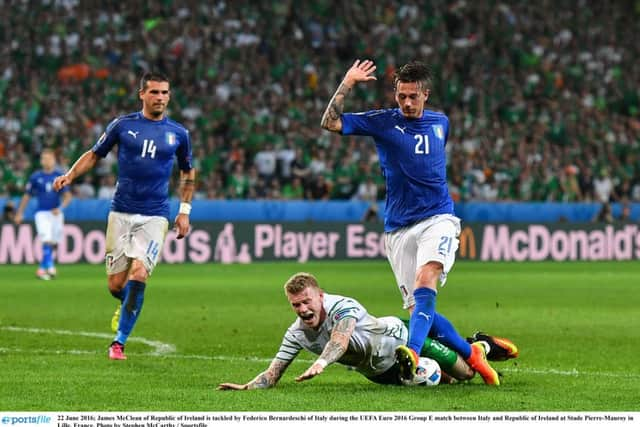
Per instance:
{"type": "Point", "coordinates": [359, 72]}
{"type": "Point", "coordinates": [289, 349]}
{"type": "Point", "coordinates": [334, 349]}
{"type": "Point", "coordinates": [265, 379]}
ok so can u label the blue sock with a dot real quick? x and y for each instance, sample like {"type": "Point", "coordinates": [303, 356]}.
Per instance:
{"type": "Point", "coordinates": [421, 318]}
{"type": "Point", "coordinates": [443, 331]}
{"type": "Point", "coordinates": [47, 256]}
{"type": "Point", "coordinates": [122, 293]}
{"type": "Point", "coordinates": [131, 307]}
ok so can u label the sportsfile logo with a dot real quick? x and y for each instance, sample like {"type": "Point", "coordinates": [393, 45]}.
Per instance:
{"type": "Point", "coordinates": [33, 419]}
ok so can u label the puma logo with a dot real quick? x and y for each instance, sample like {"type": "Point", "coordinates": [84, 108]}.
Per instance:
{"type": "Point", "coordinates": [400, 129]}
{"type": "Point", "coordinates": [133, 134]}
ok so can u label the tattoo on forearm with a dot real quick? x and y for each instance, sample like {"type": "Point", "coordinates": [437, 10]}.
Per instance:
{"type": "Point", "coordinates": [261, 381]}
{"type": "Point", "coordinates": [335, 107]}
{"type": "Point", "coordinates": [332, 352]}
{"type": "Point", "coordinates": [339, 342]}
{"type": "Point", "coordinates": [270, 377]}
{"type": "Point", "coordinates": [187, 186]}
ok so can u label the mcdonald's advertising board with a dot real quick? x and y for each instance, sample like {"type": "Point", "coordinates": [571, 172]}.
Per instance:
{"type": "Point", "coordinates": [245, 242]}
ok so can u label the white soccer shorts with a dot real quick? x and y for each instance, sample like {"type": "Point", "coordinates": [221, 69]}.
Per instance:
{"type": "Point", "coordinates": [49, 226]}
{"type": "Point", "coordinates": [133, 236]}
{"type": "Point", "coordinates": [434, 239]}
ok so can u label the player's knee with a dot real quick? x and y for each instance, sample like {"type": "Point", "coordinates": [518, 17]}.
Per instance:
{"type": "Point", "coordinates": [428, 275]}
{"type": "Point", "coordinates": [138, 272]}
{"type": "Point", "coordinates": [116, 282]}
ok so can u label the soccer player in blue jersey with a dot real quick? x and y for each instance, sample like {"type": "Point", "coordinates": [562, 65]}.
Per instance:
{"type": "Point", "coordinates": [148, 141]}
{"type": "Point", "coordinates": [421, 229]}
{"type": "Point", "coordinates": [49, 217]}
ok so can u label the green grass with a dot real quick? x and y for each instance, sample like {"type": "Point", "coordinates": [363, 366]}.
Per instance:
{"type": "Point", "coordinates": [577, 326]}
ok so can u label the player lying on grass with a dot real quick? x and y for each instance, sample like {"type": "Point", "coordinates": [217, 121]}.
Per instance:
{"type": "Point", "coordinates": [340, 329]}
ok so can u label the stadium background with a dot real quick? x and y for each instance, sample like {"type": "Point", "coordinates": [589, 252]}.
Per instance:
{"type": "Point", "coordinates": [545, 130]}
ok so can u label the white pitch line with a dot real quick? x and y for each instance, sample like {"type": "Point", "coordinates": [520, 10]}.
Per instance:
{"type": "Point", "coordinates": [527, 371]}
{"type": "Point", "coordinates": [168, 351]}
{"type": "Point", "coordinates": [160, 348]}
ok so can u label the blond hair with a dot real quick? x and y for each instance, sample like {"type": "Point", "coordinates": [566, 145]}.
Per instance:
{"type": "Point", "coordinates": [299, 282]}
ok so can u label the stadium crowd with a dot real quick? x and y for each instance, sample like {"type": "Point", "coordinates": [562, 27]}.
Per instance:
{"type": "Point", "coordinates": [542, 96]}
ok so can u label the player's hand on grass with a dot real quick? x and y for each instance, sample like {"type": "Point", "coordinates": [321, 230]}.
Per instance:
{"type": "Point", "coordinates": [232, 386]}
{"type": "Point", "coordinates": [181, 225]}
{"type": "Point", "coordinates": [360, 71]}
{"type": "Point", "coordinates": [315, 369]}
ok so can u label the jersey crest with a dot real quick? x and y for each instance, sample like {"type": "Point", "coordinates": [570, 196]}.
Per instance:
{"type": "Point", "coordinates": [438, 131]}
{"type": "Point", "coordinates": [170, 137]}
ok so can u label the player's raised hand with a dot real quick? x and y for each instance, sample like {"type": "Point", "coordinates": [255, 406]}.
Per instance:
{"type": "Point", "coordinates": [231, 386]}
{"type": "Point", "coordinates": [61, 182]}
{"type": "Point", "coordinates": [315, 369]}
{"type": "Point", "coordinates": [360, 71]}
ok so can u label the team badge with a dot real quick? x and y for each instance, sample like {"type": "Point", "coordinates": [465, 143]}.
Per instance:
{"type": "Point", "coordinates": [170, 138]}
{"type": "Point", "coordinates": [438, 131]}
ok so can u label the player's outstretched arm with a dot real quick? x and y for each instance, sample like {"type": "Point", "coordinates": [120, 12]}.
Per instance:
{"type": "Point", "coordinates": [265, 379]}
{"type": "Point", "coordinates": [187, 186]}
{"type": "Point", "coordinates": [86, 162]}
{"type": "Point", "coordinates": [359, 72]}
{"type": "Point", "coordinates": [334, 349]}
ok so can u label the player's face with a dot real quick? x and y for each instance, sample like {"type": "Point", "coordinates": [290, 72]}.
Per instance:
{"type": "Point", "coordinates": [308, 306]}
{"type": "Point", "coordinates": [411, 98]}
{"type": "Point", "coordinates": [155, 98]}
{"type": "Point", "coordinates": [47, 161]}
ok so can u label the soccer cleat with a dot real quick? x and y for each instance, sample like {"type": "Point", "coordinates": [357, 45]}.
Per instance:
{"type": "Point", "coordinates": [51, 271]}
{"type": "Point", "coordinates": [407, 360]}
{"type": "Point", "coordinates": [42, 274]}
{"type": "Point", "coordinates": [478, 362]}
{"type": "Point", "coordinates": [115, 320]}
{"type": "Point", "coordinates": [116, 351]}
{"type": "Point", "coordinates": [500, 349]}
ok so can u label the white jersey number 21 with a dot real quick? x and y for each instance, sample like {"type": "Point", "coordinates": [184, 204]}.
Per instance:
{"type": "Point", "coordinates": [422, 144]}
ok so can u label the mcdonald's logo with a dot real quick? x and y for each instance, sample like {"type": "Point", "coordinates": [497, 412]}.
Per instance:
{"type": "Point", "coordinates": [467, 243]}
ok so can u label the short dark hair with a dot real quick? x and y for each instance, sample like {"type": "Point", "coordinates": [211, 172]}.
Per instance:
{"type": "Point", "coordinates": [414, 71]}
{"type": "Point", "coordinates": [154, 76]}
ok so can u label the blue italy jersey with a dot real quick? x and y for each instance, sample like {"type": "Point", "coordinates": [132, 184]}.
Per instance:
{"type": "Point", "coordinates": [146, 150]}
{"type": "Point", "coordinates": [413, 161]}
{"type": "Point", "coordinates": [40, 186]}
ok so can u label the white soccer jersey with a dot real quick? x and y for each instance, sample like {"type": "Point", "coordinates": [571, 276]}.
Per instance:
{"type": "Point", "coordinates": [371, 347]}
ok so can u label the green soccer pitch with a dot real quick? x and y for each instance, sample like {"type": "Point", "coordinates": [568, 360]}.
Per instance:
{"type": "Point", "coordinates": [576, 325]}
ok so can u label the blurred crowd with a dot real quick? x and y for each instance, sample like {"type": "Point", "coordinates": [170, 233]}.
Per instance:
{"type": "Point", "coordinates": [542, 96]}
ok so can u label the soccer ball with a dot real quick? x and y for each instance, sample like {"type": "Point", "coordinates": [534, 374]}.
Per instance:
{"type": "Point", "coordinates": [428, 373]}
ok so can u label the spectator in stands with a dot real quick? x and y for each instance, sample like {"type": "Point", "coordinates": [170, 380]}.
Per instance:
{"type": "Point", "coordinates": [84, 190]}
{"type": "Point", "coordinates": [107, 188]}
{"type": "Point", "coordinates": [604, 215]}
{"type": "Point", "coordinates": [520, 80]}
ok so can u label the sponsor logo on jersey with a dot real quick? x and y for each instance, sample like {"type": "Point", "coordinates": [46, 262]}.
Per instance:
{"type": "Point", "coordinates": [171, 138]}
{"type": "Point", "coordinates": [132, 133]}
